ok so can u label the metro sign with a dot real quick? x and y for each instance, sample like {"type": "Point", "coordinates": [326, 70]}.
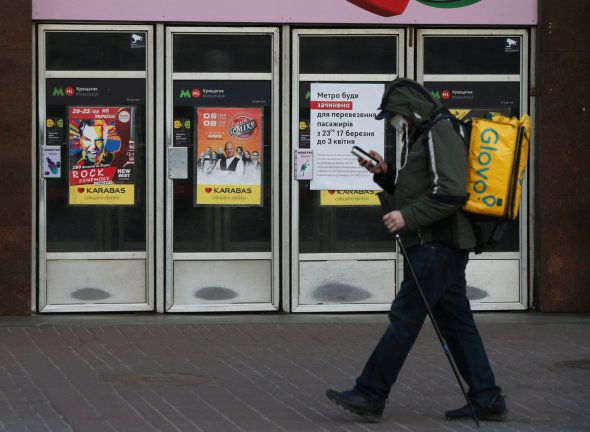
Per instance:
{"type": "Point", "coordinates": [59, 91]}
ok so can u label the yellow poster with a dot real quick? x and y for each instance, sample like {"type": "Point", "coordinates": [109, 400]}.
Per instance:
{"type": "Point", "coordinates": [109, 194]}
{"type": "Point", "coordinates": [228, 157]}
{"type": "Point", "coordinates": [349, 198]}
{"type": "Point", "coordinates": [228, 194]}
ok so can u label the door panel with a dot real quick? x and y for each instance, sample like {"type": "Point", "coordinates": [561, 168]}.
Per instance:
{"type": "Point", "coordinates": [222, 282]}
{"type": "Point", "coordinates": [339, 242]}
{"type": "Point", "coordinates": [347, 282]}
{"type": "Point", "coordinates": [95, 168]}
{"type": "Point", "coordinates": [222, 237]}
{"type": "Point", "coordinates": [473, 72]}
{"type": "Point", "coordinates": [82, 287]}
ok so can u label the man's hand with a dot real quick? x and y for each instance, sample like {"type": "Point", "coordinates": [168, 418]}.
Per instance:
{"type": "Point", "coordinates": [394, 221]}
{"type": "Point", "coordinates": [381, 167]}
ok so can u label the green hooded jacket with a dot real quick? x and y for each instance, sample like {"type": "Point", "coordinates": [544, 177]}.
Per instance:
{"type": "Point", "coordinates": [431, 183]}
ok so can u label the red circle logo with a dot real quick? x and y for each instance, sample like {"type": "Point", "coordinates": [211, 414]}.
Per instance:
{"type": "Point", "coordinates": [445, 94]}
{"type": "Point", "coordinates": [196, 93]}
{"type": "Point", "coordinates": [70, 91]}
{"type": "Point", "coordinates": [242, 126]}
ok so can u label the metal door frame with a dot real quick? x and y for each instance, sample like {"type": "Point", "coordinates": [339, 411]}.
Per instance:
{"type": "Point", "coordinates": [523, 254]}
{"type": "Point", "coordinates": [290, 186]}
{"type": "Point", "coordinates": [43, 255]}
{"type": "Point", "coordinates": [274, 255]}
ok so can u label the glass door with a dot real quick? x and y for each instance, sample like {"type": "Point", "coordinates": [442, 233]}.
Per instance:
{"type": "Point", "coordinates": [95, 158]}
{"type": "Point", "coordinates": [342, 257]}
{"type": "Point", "coordinates": [222, 158]}
{"type": "Point", "coordinates": [474, 72]}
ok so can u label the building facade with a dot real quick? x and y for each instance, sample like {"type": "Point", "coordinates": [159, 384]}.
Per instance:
{"type": "Point", "coordinates": [163, 155]}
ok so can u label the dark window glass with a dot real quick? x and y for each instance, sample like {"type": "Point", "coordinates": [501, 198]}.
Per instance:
{"type": "Point", "coordinates": [96, 228]}
{"type": "Point", "coordinates": [472, 55]}
{"type": "Point", "coordinates": [99, 51]}
{"type": "Point", "coordinates": [222, 53]}
{"type": "Point", "coordinates": [224, 228]}
{"type": "Point", "coordinates": [479, 97]}
{"type": "Point", "coordinates": [348, 55]}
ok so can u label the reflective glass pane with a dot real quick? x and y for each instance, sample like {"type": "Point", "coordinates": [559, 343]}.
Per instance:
{"type": "Point", "coordinates": [222, 53]}
{"type": "Point", "coordinates": [97, 51]}
{"type": "Point", "coordinates": [474, 99]}
{"type": "Point", "coordinates": [95, 228]}
{"type": "Point", "coordinates": [472, 55]}
{"type": "Point", "coordinates": [348, 54]}
{"type": "Point", "coordinates": [221, 227]}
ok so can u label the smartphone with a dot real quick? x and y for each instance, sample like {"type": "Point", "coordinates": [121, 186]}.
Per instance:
{"type": "Point", "coordinates": [359, 152]}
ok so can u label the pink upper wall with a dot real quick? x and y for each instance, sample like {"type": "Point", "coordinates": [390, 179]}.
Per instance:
{"type": "Point", "coordinates": [485, 12]}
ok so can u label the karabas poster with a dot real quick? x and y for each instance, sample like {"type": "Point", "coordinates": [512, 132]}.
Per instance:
{"type": "Point", "coordinates": [101, 143]}
{"type": "Point", "coordinates": [228, 158]}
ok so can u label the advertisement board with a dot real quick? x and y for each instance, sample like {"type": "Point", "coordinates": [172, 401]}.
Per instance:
{"type": "Point", "coordinates": [414, 12]}
{"type": "Point", "coordinates": [101, 148]}
{"type": "Point", "coordinates": [228, 157]}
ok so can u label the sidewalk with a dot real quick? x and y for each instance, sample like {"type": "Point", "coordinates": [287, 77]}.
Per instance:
{"type": "Point", "coordinates": [269, 372]}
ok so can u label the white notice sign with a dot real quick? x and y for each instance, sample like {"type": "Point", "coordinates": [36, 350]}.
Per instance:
{"type": "Point", "coordinates": [342, 116]}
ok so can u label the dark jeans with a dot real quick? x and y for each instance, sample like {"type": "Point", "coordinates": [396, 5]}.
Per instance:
{"type": "Point", "coordinates": [441, 272]}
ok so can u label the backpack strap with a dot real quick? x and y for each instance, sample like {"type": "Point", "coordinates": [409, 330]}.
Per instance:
{"type": "Point", "coordinates": [440, 114]}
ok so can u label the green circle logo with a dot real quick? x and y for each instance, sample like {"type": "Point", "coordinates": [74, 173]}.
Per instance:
{"type": "Point", "coordinates": [448, 3]}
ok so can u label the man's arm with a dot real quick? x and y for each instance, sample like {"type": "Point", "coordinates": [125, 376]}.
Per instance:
{"type": "Point", "coordinates": [386, 179]}
{"type": "Point", "coordinates": [383, 172]}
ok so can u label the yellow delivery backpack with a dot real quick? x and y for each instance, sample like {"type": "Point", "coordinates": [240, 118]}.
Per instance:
{"type": "Point", "coordinates": [498, 153]}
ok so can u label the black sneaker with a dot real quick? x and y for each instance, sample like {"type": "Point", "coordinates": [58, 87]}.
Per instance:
{"type": "Point", "coordinates": [357, 403]}
{"type": "Point", "coordinates": [495, 411]}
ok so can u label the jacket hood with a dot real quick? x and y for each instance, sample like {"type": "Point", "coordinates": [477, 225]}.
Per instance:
{"type": "Point", "coordinates": [410, 99]}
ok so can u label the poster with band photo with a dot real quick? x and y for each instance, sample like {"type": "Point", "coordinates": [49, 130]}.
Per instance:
{"type": "Point", "coordinates": [228, 157]}
{"type": "Point", "coordinates": [101, 149]}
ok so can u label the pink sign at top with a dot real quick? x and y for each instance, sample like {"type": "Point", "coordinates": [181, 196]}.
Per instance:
{"type": "Point", "coordinates": [416, 12]}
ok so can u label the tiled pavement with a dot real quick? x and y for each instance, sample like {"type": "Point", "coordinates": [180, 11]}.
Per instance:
{"type": "Point", "coordinates": [259, 373]}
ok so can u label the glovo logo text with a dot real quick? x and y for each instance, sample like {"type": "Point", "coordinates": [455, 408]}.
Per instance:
{"type": "Point", "coordinates": [489, 138]}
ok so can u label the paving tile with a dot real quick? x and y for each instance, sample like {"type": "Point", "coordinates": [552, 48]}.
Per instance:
{"type": "Point", "coordinates": [269, 373]}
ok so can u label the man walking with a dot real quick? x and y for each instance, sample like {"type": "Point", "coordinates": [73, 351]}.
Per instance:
{"type": "Point", "coordinates": [428, 184]}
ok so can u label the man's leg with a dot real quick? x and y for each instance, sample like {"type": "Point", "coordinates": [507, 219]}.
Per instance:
{"type": "Point", "coordinates": [406, 318]}
{"type": "Point", "coordinates": [455, 320]}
